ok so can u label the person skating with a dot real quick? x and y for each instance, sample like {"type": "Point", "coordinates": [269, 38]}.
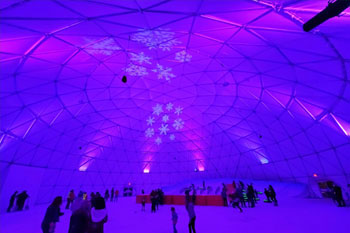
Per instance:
{"type": "Point", "coordinates": [12, 201]}
{"type": "Point", "coordinates": [190, 201]}
{"type": "Point", "coordinates": [174, 218]}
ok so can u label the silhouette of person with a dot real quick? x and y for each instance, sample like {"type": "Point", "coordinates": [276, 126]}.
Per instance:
{"type": "Point", "coordinates": [273, 195]}
{"type": "Point", "coordinates": [224, 194]}
{"type": "Point", "coordinates": [190, 201]}
{"type": "Point", "coordinates": [250, 195]}
{"type": "Point", "coordinates": [52, 216]}
{"type": "Point", "coordinates": [112, 194]}
{"type": "Point", "coordinates": [79, 221]}
{"type": "Point", "coordinates": [70, 198]}
{"type": "Point", "coordinates": [21, 198]}
{"type": "Point", "coordinates": [174, 218]}
{"type": "Point", "coordinates": [339, 196]}
{"type": "Point", "coordinates": [106, 195]}
{"type": "Point", "coordinates": [12, 201]}
{"type": "Point", "coordinates": [267, 194]}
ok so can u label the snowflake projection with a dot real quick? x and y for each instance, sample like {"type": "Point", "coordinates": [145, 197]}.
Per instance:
{"type": "Point", "coordinates": [164, 122]}
{"type": "Point", "coordinates": [135, 70]}
{"type": "Point", "coordinates": [149, 132]}
{"type": "Point", "coordinates": [164, 72]}
{"type": "Point", "coordinates": [183, 56]}
{"type": "Point", "coordinates": [156, 39]}
{"type": "Point", "coordinates": [158, 109]}
{"type": "Point", "coordinates": [150, 121]}
{"type": "Point", "coordinates": [158, 141]}
{"type": "Point", "coordinates": [165, 118]}
{"type": "Point", "coordinates": [164, 129]}
{"type": "Point", "coordinates": [178, 124]}
{"type": "Point", "coordinates": [140, 58]}
{"type": "Point", "coordinates": [178, 111]}
{"type": "Point", "coordinates": [169, 106]}
{"type": "Point", "coordinates": [105, 47]}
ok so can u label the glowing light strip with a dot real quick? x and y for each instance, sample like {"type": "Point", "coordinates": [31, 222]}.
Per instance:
{"type": "Point", "coordinates": [340, 125]}
{"type": "Point", "coordinates": [277, 100]}
{"type": "Point", "coordinates": [221, 20]}
{"type": "Point", "coordinates": [208, 37]}
{"type": "Point", "coordinates": [36, 44]}
{"type": "Point", "coordinates": [54, 119]}
{"type": "Point", "coordinates": [305, 109]}
{"type": "Point", "coordinates": [29, 128]}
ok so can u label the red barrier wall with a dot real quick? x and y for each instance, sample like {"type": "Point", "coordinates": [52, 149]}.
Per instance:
{"type": "Point", "coordinates": [203, 200]}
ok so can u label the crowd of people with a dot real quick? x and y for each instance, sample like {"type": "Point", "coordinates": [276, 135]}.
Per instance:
{"type": "Point", "coordinates": [89, 213]}
{"type": "Point", "coordinates": [18, 201]}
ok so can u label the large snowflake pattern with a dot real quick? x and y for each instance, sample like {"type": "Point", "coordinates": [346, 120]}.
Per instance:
{"type": "Point", "coordinates": [136, 70]}
{"type": "Point", "coordinates": [140, 58]}
{"type": "Point", "coordinates": [183, 56]}
{"type": "Point", "coordinates": [164, 72]}
{"type": "Point", "coordinates": [105, 47]}
{"type": "Point", "coordinates": [157, 38]}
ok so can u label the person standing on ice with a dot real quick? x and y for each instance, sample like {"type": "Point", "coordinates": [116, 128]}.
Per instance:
{"type": "Point", "coordinates": [12, 201]}
{"type": "Point", "coordinates": [272, 195]}
{"type": "Point", "coordinates": [190, 201]}
{"type": "Point", "coordinates": [174, 218]}
{"type": "Point", "coordinates": [52, 216]}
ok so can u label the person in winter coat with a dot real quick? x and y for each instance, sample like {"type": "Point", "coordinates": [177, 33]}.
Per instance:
{"type": "Point", "coordinates": [52, 216]}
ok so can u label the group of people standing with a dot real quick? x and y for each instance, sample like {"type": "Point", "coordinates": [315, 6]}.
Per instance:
{"type": "Point", "coordinates": [112, 196]}
{"type": "Point", "coordinates": [240, 196]}
{"type": "Point", "coordinates": [89, 213]}
{"type": "Point", "coordinates": [157, 198]}
{"type": "Point", "coordinates": [18, 201]}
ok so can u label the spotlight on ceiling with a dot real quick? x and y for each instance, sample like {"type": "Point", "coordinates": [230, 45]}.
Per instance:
{"type": "Point", "coordinates": [333, 9]}
{"type": "Point", "coordinates": [124, 79]}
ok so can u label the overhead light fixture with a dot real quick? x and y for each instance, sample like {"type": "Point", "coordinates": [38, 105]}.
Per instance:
{"type": "Point", "coordinates": [333, 9]}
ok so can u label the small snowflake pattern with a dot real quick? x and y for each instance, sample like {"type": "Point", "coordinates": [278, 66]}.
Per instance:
{"type": "Point", "coordinates": [169, 106]}
{"type": "Point", "coordinates": [158, 109]}
{"type": "Point", "coordinates": [178, 124]}
{"type": "Point", "coordinates": [172, 137]}
{"type": "Point", "coordinates": [165, 118]}
{"type": "Point", "coordinates": [183, 56]}
{"type": "Point", "coordinates": [150, 121]}
{"type": "Point", "coordinates": [178, 111]}
{"type": "Point", "coordinates": [105, 47]}
{"type": "Point", "coordinates": [149, 132]}
{"type": "Point", "coordinates": [163, 130]}
{"type": "Point", "coordinates": [140, 58]}
{"type": "Point", "coordinates": [158, 141]}
{"type": "Point", "coordinates": [136, 70]}
{"type": "Point", "coordinates": [164, 72]}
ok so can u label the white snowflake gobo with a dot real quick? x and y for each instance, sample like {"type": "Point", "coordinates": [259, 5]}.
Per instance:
{"type": "Point", "coordinates": [164, 72]}
{"type": "Point", "coordinates": [178, 124]}
{"type": "Point", "coordinates": [178, 110]}
{"type": "Point", "coordinates": [135, 70]}
{"type": "Point", "coordinates": [164, 129]}
{"type": "Point", "coordinates": [105, 47]}
{"type": "Point", "coordinates": [183, 56]}
{"type": "Point", "coordinates": [140, 58]}
{"type": "Point", "coordinates": [157, 38]}
{"type": "Point", "coordinates": [149, 132]}
{"type": "Point", "coordinates": [158, 109]}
